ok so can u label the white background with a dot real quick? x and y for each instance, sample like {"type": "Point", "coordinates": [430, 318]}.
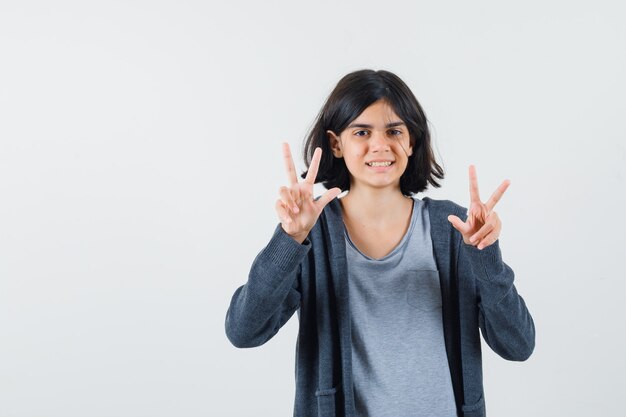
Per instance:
{"type": "Point", "coordinates": [140, 159]}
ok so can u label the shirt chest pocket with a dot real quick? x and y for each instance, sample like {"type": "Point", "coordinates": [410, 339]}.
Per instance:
{"type": "Point", "coordinates": [423, 289]}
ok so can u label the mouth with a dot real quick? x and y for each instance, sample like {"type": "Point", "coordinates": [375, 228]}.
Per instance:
{"type": "Point", "coordinates": [380, 164]}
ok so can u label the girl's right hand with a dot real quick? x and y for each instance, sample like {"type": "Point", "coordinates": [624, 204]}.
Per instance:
{"type": "Point", "coordinates": [296, 207]}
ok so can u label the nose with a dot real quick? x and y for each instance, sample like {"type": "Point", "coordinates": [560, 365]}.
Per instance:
{"type": "Point", "coordinates": [379, 142]}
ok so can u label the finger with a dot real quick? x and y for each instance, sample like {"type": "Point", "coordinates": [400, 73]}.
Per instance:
{"type": "Point", "coordinates": [288, 199]}
{"type": "Point", "coordinates": [315, 164]}
{"type": "Point", "coordinates": [488, 240]}
{"type": "Point", "coordinates": [474, 194]}
{"type": "Point", "coordinates": [476, 213]}
{"type": "Point", "coordinates": [304, 194]}
{"type": "Point", "coordinates": [327, 197]}
{"type": "Point", "coordinates": [497, 195]}
{"type": "Point", "coordinates": [458, 224]}
{"type": "Point", "coordinates": [482, 232]}
{"type": "Point", "coordinates": [282, 212]}
{"type": "Point", "coordinates": [289, 166]}
{"type": "Point", "coordinates": [497, 223]}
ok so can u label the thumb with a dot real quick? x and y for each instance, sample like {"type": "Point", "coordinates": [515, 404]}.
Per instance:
{"type": "Point", "coordinates": [458, 224]}
{"type": "Point", "coordinates": [327, 197]}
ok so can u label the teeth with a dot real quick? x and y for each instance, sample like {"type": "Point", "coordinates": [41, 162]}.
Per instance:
{"type": "Point", "coordinates": [379, 164]}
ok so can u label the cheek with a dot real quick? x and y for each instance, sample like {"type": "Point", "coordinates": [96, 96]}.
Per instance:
{"type": "Point", "coordinates": [355, 152]}
{"type": "Point", "coordinates": [405, 148]}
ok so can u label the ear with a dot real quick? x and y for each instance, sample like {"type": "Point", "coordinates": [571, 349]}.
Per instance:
{"type": "Point", "coordinates": [335, 144]}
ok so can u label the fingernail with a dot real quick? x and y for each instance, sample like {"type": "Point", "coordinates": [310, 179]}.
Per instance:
{"type": "Point", "coordinates": [296, 209]}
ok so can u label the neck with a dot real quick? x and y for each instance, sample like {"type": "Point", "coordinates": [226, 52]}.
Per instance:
{"type": "Point", "coordinates": [375, 206]}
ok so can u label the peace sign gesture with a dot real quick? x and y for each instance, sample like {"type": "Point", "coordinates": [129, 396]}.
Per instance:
{"type": "Point", "coordinates": [482, 227]}
{"type": "Point", "coordinates": [296, 208]}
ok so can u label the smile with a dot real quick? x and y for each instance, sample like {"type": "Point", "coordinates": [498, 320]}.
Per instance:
{"type": "Point", "coordinates": [379, 164]}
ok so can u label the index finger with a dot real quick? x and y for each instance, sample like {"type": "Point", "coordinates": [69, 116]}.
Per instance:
{"type": "Point", "coordinates": [315, 164]}
{"type": "Point", "coordinates": [289, 166]}
{"type": "Point", "coordinates": [474, 195]}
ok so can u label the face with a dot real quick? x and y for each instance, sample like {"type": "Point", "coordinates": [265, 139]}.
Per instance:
{"type": "Point", "coordinates": [375, 146]}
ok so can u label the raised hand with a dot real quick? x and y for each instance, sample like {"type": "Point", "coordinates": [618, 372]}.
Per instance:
{"type": "Point", "coordinates": [482, 227]}
{"type": "Point", "coordinates": [296, 208]}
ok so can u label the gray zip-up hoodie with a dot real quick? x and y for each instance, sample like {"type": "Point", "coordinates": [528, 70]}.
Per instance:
{"type": "Point", "coordinates": [477, 292]}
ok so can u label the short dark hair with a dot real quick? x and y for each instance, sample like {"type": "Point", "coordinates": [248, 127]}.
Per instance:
{"type": "Point", "coordinates": [352, 95]}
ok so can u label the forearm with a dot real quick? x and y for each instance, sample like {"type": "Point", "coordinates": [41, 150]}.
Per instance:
{"type": "Point", "coordinates": [261, 306]}
{"type": "Point", "coordinates": [504, 319]}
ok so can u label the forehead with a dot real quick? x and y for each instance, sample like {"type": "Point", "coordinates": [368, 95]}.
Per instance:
{"type": "Point", "coordinates": [379, 112]}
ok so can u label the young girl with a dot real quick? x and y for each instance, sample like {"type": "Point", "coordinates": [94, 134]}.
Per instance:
{"type": "Point", "coordinates": [391, 290]}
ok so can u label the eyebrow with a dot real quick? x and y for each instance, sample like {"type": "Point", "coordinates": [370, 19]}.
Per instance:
{"type": "Point", "coordinates": [392, 124]}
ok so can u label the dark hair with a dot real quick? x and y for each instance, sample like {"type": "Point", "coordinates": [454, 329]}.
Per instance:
{"type": "Point", "coordinates": [352, 95]}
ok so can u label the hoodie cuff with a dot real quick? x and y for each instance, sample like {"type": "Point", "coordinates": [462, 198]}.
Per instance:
{"type": "Point", "coordinates": [283, 252]}
{"type": "Point", "coordinates": [486, 263]}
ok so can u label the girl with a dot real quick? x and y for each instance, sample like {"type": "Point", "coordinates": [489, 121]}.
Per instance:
{"type": "Point", "coordinates": [391, 290]}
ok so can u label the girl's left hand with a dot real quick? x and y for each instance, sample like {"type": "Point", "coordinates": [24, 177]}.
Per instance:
{"type": "Point", "coordinates": [482, 227]}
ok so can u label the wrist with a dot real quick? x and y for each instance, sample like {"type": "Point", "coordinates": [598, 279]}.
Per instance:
{"type": "Point", "coordinates": [298, 237]}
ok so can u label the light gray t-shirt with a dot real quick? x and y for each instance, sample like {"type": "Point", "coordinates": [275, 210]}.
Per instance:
{"type": "Point", "coordinates": [399, 358]}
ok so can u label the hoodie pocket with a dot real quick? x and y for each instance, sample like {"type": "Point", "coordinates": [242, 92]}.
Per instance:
{"type": "Point", "coordinates": [326, 402]}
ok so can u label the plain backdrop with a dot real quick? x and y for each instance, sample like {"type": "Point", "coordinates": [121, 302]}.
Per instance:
{"type": "Point", "coordinates": [140, 160]}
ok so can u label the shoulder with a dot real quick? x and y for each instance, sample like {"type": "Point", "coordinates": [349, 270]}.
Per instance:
{"type": "Point", "coordinates": [444, 208]}
{"type": "Point", "coordinates": [440, 226]}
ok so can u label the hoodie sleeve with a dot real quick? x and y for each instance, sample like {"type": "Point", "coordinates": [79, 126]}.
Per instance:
{"type": "Point", "coordinates": [260, 307]}
{"type": "Point", "coordinates": [504, 319]}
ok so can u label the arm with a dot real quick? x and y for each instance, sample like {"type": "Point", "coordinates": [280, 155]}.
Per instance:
{"type": "Point", "coordinates": [504, 320]}
{"type": "Point", "coordinates": [260, 307]}
{"type": "Point", "coordinates": [263, 305]}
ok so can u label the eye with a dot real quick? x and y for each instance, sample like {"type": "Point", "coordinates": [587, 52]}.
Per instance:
{"type": "Point", "coordinates": [358, 132]}
{"type": "Point", "coordinates": [395, 132]}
